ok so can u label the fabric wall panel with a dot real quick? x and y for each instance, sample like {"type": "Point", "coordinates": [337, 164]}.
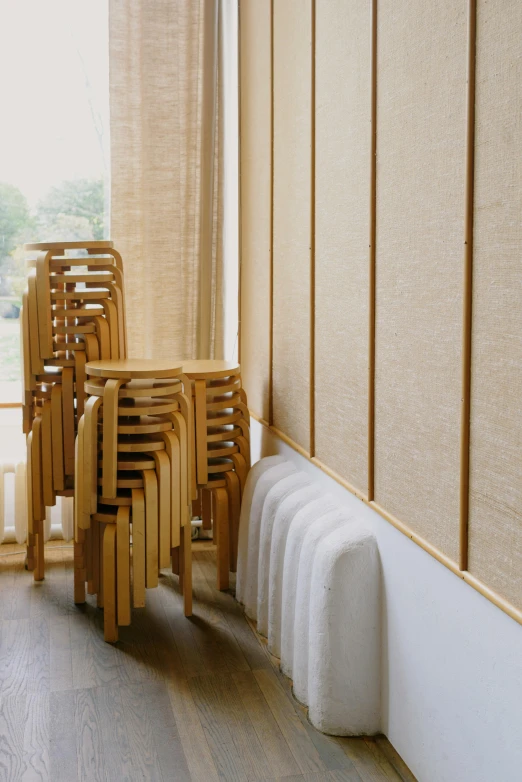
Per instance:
{"type": "Point", "coordinates": [292, 213]}
{"type": "Point", "coordinates": [342, 203]}
{"type": "Point", "coordinates": [495, 524]}
{"type": "Point", "coordinates": [421, 123]}
{"type": "Point", "coordinates": [255, 150]}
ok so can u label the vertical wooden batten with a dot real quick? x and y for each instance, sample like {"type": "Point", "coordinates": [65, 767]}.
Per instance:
{"type": "Point", "coordinates": [271, 325]}
{"type": "Point", "coordinates": [239, 210]}
{"type": "Point", "coordinates": [208, 131]}
{"type": "Point", "coordinates": [371, 253]}
{"type": "Point", "coordinates": [467, 288]}
{"type": "Point", "coordinates": [312, 238]}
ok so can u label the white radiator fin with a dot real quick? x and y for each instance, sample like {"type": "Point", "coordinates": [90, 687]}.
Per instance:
{"type": "Point", "coordinates": [13, 508]}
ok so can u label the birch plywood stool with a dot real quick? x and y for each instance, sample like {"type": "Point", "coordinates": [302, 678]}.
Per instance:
{"type": "Point", "coordinates": [73, 311]}
{"type": "Point", "coordinates": [222, 452]}
{"type": "Point", "coordinates": [132, 483]}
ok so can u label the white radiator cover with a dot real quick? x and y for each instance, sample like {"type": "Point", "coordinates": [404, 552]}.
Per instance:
{"type": "Point", "coordinates": [13, 508]}
{"type": "Point", "coordinates": [309, 573]}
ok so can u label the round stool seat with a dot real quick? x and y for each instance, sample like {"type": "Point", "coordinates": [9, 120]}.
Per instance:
{"type": "Point", "coordinates": [224, 419]}
{"type": "Point", "coordinates": [218, 435]}
{"type": "Point", "coordinates": [144, 424]}
{"type": "Point", "coordinates": [133, 368]}
{"type": "Point", "coordinates": [94, 245]}
{"type": "Point", "coordinates": [140, 444]}
{"type": "Point", "coordinates": [147, 406]}
{"type": "Point", "coordinates": [133, 461]}
{"type": "Point", "coordinates": [208, 369]}
{"type": "Point", "coordinates": [95, 386]}
{"type": "Point", "coordinates": [220, 466]}
{"type": "Point", "coordinates": [221, 386]}
{"type": "Point", "coordinates": [218, 450]}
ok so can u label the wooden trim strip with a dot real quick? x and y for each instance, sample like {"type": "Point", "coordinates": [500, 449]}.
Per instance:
{"type": "Point", "coordinates": [290, 442]}
{"type": "Point", "coordinates": [239, 187]}
{"type": "Point", "coordinates": [5, 405]}
{"type": "Point", "coordinates": [467, 290]}
{"type": "Point", "coordinates": [271, 283]}
{"type": "Point", "coordinates": [504, 605]}
{"type": "Point", "coordinates": [209, 107]}
{"type": "Point", "coordinates": [371, 253]}
{"type": "Point", "coordinates": [312, 231]}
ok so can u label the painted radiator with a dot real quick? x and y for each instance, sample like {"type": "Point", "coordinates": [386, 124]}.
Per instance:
{"type": "Point", "coordinates": [308, 573]}
{"type": "Point", "coordinates": [13, 508]}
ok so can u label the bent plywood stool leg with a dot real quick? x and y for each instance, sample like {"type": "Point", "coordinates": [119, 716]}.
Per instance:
{"type": "Point", "coordinates": [138, 547]}
{"type": "Point", "coordinates": [220, 505]}
{"type": "Point", "coordinates": [123, 565]}
{"type": "Point", "coordinates": [110, 627]}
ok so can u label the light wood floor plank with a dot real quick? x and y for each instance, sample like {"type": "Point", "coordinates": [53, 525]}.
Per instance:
{"type": "Point", "coordinates": [189, 652]}
{"type": "Point", "coordinates": [169, 756]}
{"type": "Point", "coordinates": [191, 731]}
{"type": "Point", "coordinates": [89, 742]}
{"type": "Point", "coordinates": [94, 662]}
{"type": "Point", "coordinates": [185, 699]}
{"type": "Point", "coordinates": [268, 732]}
{"type": "Point", "coordinates": [395, 759]}
{"type": "Point", "coordinates": [227, 758]}
{"type": "Point", "coordinates": [234, 616]}
{"type": "Point", "coordinates": [117, 763]}
{"type": "Point", "coordinates": [218, 644]}
{"type": "Point", "coordinates": [345, 775]}
{"type": "Point", "coordinates": [63, 755]}
{"type": "Point", "coordinates": [371, 764]}
{"type": "Point", "coordinates": [15, 656]}
{"type": "Point", "coordinates": [296, 736]}
{"type": "Point", "coordinates": [17, 597]}
{"type": "Point", "coordinates": [61, 676]}
{"type": "Point", "coordinates": [38, 673]}
{"type": "Point", "coordinates": [36, 739]}
{"type": "Point", "coordinates": [140, 732]}
{"type": "Point", "coordinates": [327, 747]}
{"type": "Point", "coordinates": [12, 729]}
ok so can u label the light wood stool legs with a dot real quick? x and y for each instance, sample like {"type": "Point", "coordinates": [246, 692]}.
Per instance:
{"type": "Point", "coordinates": [133, 487]}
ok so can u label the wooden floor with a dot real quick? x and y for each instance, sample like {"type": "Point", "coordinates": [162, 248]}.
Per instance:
{"type": "Point", "coordinates": [175, 699]}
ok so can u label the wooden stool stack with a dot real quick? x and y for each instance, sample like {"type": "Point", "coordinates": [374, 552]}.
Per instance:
{"type": "Point", "coordinates": [132, 484]}
{"type": "Point", "coordinates": [73, 312]}
{"type": "Point", "coordinates": [222, 452]}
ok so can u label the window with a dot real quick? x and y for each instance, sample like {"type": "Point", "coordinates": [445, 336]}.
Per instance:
{"type": "Point", "coordinates": [54, 143]}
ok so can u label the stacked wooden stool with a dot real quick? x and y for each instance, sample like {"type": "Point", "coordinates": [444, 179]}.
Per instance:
{"type": "Point", "coordinates": [134, 441]}
{"type": "Point", "coordinates": [133, 484]}
{"type": "Point", "coordinates": [222, 452]}
{"type": "Point", "coordinates": [73, 312]}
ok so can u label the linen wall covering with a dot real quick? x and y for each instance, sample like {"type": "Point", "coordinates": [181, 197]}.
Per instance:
{"type": "Point", "coordinates": [495, 543]}
{"type": "Point", "coordinates": [308, 253]}
{"type": "Point", "coordinates": [167, 173]}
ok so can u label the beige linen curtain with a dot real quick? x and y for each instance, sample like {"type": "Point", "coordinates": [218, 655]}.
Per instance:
{"type": "Point", "coordinates": [167, 174]}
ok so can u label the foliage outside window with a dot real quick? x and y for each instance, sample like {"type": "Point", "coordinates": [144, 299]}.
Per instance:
{"type": "Point", "coordinates": [54, 180]}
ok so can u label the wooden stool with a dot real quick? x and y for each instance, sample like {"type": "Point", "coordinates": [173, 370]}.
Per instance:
{"type": "Point", "coordinates": [73, 311]}
{"type": "Point", "coordinates": [221, 438]}
{"type": "Point", "coordinates": [132, 482]}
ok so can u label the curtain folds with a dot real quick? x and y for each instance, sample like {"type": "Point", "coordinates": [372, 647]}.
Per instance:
{"type": "Point", "coordinates": [168, 174]}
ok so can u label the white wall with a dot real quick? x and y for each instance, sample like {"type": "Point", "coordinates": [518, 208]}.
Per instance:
{"type": "Point", "coordinates": [452, 661]}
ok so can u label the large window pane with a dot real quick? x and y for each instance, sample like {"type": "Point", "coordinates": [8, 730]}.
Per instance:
{"type": "Point", "coordinates": [54, 144]}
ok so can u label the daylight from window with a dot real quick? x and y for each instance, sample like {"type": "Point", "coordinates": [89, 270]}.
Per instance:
{"type": "Point", "coordinates": [54, 143]}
